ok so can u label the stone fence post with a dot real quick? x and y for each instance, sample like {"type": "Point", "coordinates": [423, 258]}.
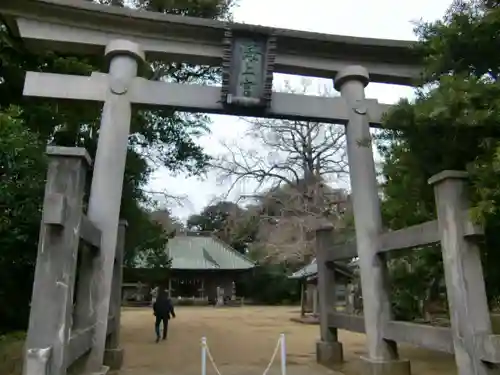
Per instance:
{"type": "Point", "coordinates": [52, 298]}
{"type": "Point", "coordinates": [328, 348]}
{"type": "Point", "coordinates": [463, 272]}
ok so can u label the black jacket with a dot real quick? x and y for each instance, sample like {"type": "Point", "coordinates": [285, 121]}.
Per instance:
{"type": "Point", "coordinates": [163, 308]}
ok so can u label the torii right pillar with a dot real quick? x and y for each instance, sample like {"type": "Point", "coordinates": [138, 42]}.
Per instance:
{"type": "Point", "coordinates": [382, 355]}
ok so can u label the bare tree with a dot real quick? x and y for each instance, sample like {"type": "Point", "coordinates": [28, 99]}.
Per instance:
{"type": "Point", "coordinates": [284, 151]}
{"type": "Point", "coordinates": [287, 221]}
{"type": "Point", "coordinates": [291, 164]}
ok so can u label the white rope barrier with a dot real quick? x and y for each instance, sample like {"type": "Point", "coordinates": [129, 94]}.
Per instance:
{"type": "Point", "coordinates": [205, 352]}
{"type": "Point", "coordinates": [278, 345]}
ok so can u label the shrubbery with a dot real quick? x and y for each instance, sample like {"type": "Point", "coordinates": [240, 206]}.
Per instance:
{"type": "Point", "coordinates": [22, 179]}
{"type": "Point", "coordinates": [269, 284]}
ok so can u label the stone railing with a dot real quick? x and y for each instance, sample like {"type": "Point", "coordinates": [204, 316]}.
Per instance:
{"type": "Point", "coordinates": [470, 337]}
{"type": "Point", "coordinates": [62, 318]}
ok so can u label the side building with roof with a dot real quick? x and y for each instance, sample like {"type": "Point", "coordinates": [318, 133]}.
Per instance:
{"type": "Point", "coordinates": [200, 264]}
{"type": "Point", "coordinates": [308, 278]}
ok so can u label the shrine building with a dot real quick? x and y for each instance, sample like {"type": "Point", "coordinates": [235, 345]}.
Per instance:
{"type": "Point", "coordinates": [200, 263]}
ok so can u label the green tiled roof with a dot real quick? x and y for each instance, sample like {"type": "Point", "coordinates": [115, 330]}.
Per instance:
{"type": "Point", "coordinates": [204, 252]}
{"type": "Point", "coordinates": [312, 270]}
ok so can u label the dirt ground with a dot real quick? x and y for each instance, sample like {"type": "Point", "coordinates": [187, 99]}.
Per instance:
{"type": "Point", "coordinates": [241, 341]}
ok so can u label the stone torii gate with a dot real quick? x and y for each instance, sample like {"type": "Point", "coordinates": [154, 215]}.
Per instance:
{"type": "Point", "coordinates": [248, 55]}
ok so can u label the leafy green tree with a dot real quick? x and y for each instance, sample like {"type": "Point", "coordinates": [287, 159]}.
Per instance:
{"type": "Point", "coordinates": [168, 222]}
{"type": "Point", "coordinates": [158, 137]}
{"type": "Point", "coordinates": [22, 181]}
{"type": "Point", "coordinates": [228, 221]}
{"type": "Point", "coordinates": [214, 217]}
{"type": "Point", "coordinates": [452, 124]}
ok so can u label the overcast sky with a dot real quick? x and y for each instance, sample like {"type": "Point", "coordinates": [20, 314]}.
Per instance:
{"type": "Point", "coordinates": [391, 19]}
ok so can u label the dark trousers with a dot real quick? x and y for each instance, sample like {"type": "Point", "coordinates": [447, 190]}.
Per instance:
{"type": "Point", "coordinates": [159, 320]}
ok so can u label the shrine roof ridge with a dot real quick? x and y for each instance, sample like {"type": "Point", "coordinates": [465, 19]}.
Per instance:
{"type": "Point", "coordinates": [200, 41]}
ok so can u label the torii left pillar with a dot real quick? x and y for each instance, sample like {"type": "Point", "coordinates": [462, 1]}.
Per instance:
{"type": "Point", "coordinates": [107, 181]}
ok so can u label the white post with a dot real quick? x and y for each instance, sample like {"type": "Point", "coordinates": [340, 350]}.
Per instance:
{"type": "Point", "coordinates": [283, 354]}
{"type": "Point", "coordinates": [203, 356]}
{"type": "Point", "coordinates": [107, 180]}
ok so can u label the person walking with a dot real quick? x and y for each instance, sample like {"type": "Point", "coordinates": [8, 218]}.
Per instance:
{"type": "Point", "coordinates": [154, 294]}
{"type": "Point", "coordinates": [163, 310]}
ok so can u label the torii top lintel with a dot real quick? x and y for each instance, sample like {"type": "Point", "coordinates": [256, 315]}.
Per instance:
{"type": "Point", "coordinates": [81, 26]}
